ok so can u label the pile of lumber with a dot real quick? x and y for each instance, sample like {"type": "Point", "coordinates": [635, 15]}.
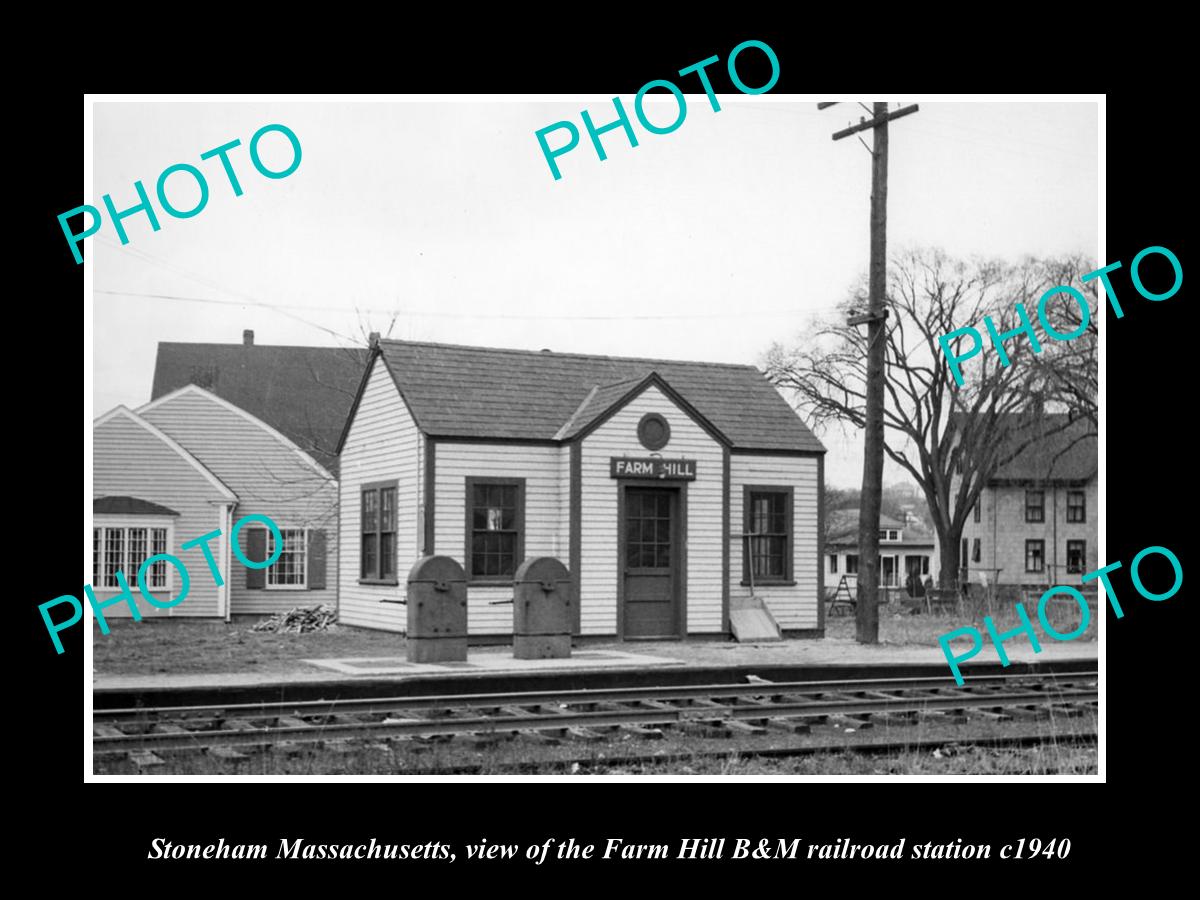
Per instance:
{"type": "Point", "coordinates": [300, 620]}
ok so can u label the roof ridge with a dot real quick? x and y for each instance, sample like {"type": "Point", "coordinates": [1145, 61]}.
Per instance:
{"type": "Point", "coordinates": [231, 345]}
{"type": "Point", "coordinates": [556, 353]}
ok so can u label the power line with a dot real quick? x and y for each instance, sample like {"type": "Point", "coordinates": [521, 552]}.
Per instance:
{"type": "Point", "coordinates": [207, 282]}
{"type": "Point", "coordinates": [736, 314]}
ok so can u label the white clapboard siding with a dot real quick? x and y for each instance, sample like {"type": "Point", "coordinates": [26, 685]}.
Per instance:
{"type": "Point", "coordinates": [793, 607]}
{"type": "Point", "coordinates": [598, 578]}
{"type": "Point", "coordinates": [269, 475]}
{"type": "Point", "coordinates": [129, 461]}
{"type": "Point", "coordinates": [546, 501]}
{"type": "Point", "coordinates": [382, 444]}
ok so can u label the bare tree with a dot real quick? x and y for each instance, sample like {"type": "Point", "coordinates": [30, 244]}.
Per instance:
{"type": "Point", "coordinates": [1070, 369]}
{"type": "Point", "coordinates": [950, 438]}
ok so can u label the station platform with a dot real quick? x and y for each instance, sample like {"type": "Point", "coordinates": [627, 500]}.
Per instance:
{"type": "Point", "coordinates": [618, 664]}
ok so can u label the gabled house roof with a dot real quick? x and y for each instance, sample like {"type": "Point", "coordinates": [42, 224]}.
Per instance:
{"type": "Point", "coordinates": [1061, 450]}
{"type": "Point", "coordinates": [305, 393]}
{"type": "Point", "coordinates": [130, 506]}
{"type": "Point", "coordinates": [174, 445]}
{"type": "Point", "coordinates": [194, 390]}
{"type": "Point", "coordinates": [843, 529]}
{"type": "Point", "coordinates": [478, 392]}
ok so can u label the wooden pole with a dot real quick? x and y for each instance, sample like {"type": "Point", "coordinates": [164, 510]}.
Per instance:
{"type": "Point", "coordinates": [867, 612]}
{"type": "Point", "coordinates": [867, 622]}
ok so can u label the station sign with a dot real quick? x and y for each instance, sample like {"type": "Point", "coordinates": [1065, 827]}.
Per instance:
{"type": "Point", "coordinates": [653, 467]}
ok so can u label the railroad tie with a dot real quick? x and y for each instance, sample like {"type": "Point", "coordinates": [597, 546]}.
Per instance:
{"type": "Point", "coordinates": [723, 719]}
{"type": "Point", "coordinates": [1029, 712]}
{"type": "Point", "coordinates": [229, 754]}
{"type": "Point", "coordinates": [757, 704]}
{"type": "Point", "coordinates": [989, 714]}
{"type": "Point", "coordinates": [144, 759]}
{"type": "Point", "coordinates": [643, 731]}
{"type": "Point", "coordinates": [1069, 712]}
{"type": "Point", "coordinates": [172, 728]}
{"type": "Point", "coordinates": [790, 724]}
{"type": "Point", "coordinates": [550, 712]}
{"type": "Point", "coordinates": [243, 725]}
{"type": "Point", "coordinates": [850, 722]}
{"type": "Point", "coordinates": [584, 734]}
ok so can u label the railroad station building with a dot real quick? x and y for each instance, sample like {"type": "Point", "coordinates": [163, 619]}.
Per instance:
{"type": "Point", "coordinates": [671, 490]}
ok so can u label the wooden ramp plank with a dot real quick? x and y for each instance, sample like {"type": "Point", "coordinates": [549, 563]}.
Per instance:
{"type": "Point", "coordinates": [752, 622]}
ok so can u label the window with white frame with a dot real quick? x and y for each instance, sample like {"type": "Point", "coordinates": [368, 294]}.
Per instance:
{"type": "Point", "coordinates": [290, 571]}
{"type": "Point", "coordinates": [123, 548]}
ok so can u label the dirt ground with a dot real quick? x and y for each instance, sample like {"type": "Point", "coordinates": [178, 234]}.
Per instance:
{"type": "Point", "coordinates": [181, 646]}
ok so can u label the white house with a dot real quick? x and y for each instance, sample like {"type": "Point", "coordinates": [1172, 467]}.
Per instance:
{"type": "Point", "coordinates": [905, 553]}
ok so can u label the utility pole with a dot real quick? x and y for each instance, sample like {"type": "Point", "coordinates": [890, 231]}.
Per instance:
{"type": "Point", "coordinates": [867, 608]}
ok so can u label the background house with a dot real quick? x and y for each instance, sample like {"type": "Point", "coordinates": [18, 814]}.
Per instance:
{"type": "Point", "coordinates": [905, 552]}
{"type": "Point", "coordinates": [304, 393]}
{"type": "Point", "coordinates": [1035, 524]}
{"type": "Point", "coordinates": [201, 455]}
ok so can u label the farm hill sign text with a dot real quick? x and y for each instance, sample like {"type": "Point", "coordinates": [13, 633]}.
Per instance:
{"type": "Point", "coordinates": [651, 467]}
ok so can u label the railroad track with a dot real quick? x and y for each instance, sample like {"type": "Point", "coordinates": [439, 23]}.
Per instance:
{"type": "Point", "coordinates": [720, 710]}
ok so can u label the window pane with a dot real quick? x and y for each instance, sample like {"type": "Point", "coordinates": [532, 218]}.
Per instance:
{"type": "Point", "coordinates": [370, 555]}
{"type": "Point", "coordinates": [158, 568]}
{"type": "Point", "coordinates": [288, 569]}
{"type": "Point", "coordinates": [370, 513]}
{"type": "Point", "coordinates": [387, 502]}
{"type": "Point", "coordinates": [96, 545]}
{"type": "Point", "coordinates": [1076, 556]}
{"type": "Point", "coordinates": [507, 561]}
{"type": "Point", "coordinates": [114, 554]}
{"type": "Point", "coordinates": [387, 555]}
{"type": "Point", "coordinates": [136, 552]}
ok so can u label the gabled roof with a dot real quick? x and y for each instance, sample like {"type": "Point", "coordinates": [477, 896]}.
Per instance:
{"type": "Point", "coordinates": [478, 392]}
{"type": "Point", "coordinates": [129, 506]}
{"type": "Point", "coordinates": [305, 393]}
{"type": "Point", "coordinates": [843, 529]}
{"type": "Point", "coordinates": [174, 445]}
{"type": "Point", "coordinates": [1062, 450]}
{"type": "Point", "coordinates": [195, 390]}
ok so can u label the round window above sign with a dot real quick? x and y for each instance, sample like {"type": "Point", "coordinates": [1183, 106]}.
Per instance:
{"type": "Point", "coordinates": [653, 431]}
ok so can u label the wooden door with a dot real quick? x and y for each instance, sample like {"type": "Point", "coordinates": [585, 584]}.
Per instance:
{"type": "Point", "coordinates": [650, 563]}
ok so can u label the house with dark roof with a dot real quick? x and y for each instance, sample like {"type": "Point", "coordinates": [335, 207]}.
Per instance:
{"type": "Point", "coordinates": [905, 551]}
{"type": "Point", "coordinates": [670, 489]}
{"type": "Point", "coordinates": [304, 393]}
{"type": "Point", "coordinates": [188, 464]}
{"type": "Point", "coordinates": [1036, 520]}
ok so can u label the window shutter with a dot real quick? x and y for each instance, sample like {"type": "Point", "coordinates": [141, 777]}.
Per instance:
{"type": "Point", "coordinates": [256, 551]}
{"type": "Point", "coordinates": [316, 559]}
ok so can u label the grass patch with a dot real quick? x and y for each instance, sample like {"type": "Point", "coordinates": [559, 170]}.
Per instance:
{"type": "Point", "coordinates": [180, 646]}
{"type": "Point", "coordinates": [899, 627]}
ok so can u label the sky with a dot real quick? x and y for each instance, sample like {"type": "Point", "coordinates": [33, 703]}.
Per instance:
{"type": "Point", "coordinates": [441, 221]}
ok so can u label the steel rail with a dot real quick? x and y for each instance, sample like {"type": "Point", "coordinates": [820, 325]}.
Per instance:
{"type": "Point", "coordinates": [379, 705]}
{"type": "Point", "coordinates": [867, 748]}
{"type": "Point", "coordinates": [558, 720]}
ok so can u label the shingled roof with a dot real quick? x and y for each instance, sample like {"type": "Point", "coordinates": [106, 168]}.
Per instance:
{"type": "Point", "coordinates": [303, 392]}
{"type": "Point", "coordinates": [1062, 450]}
{"type": "Point", "coordinates": [478, 392]}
